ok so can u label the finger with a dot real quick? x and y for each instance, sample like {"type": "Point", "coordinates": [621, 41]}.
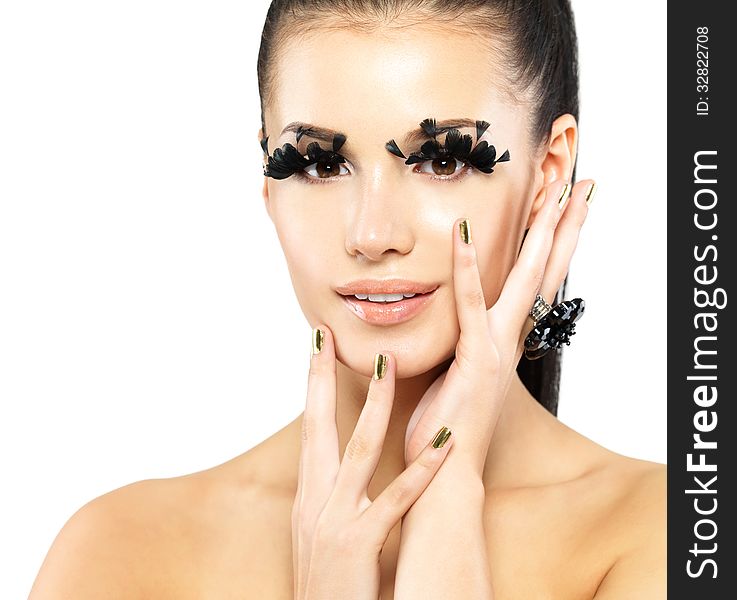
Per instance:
{"type": "Point", "coordinates": [469, 294]}
{"type": "Point", "coordinates": [526, 276]}
{"type": "Point", "coordinates": [319, 457]}
{"type": "Point", "coordinates": [566, 239]}
{"type": "Point", "coordinates": [400, 494]}
{"type": "Point", "coordinates": [363, 450]}
{"type": "Point", "coordinates": [319, 450]}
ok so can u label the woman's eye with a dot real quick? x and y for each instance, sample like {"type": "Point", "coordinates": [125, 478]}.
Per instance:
{"type": "Point", "coordinates": [319, 170]}
{"type": "Point", "coordinates": [443, 167]}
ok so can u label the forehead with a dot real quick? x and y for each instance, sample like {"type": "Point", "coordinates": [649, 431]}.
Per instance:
{"type": "Point", "coordinates": [384, 83]}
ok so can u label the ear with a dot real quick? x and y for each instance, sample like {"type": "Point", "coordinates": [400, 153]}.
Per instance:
{"type": "Point", "coordinates": [265, 189]}
{"type": "Point", "coordinates": [557, 160]}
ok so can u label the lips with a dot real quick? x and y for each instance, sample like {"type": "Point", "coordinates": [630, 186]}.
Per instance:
{"type": "Point", "coordinates": [388, 313]}
{"type": "Point", "coordinates": [386, 286]}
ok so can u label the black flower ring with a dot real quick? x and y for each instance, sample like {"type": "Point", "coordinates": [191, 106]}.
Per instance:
{"type": "Point", "coordinates": [553, 326]}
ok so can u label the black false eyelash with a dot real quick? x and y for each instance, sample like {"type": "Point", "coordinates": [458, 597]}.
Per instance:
{"type": "Point", "coordinates": [287, 160]}
{"type": "Point", "coordinates": [482, 156]}
{"type": "Point", "coordinates": [391, 145]}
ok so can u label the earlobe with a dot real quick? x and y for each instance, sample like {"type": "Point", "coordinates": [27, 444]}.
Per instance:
{"type": "Point", "coordinates": [558, 159]}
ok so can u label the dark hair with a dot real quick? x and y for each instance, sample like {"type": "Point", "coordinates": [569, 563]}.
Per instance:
{"type": "Point", "coordinates": [536, 39]}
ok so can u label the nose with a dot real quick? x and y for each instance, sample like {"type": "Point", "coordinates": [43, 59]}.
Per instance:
{"type": "Point", "coordinates": [378, 223]}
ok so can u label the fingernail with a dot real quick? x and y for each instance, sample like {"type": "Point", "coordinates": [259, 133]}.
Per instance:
{"type": "Point", "coordinates": [380, 365]}
{"type": "Point", "coordinates": [564, 195]}
{"type": "Point", "coordinates": [441, 437]}
{"type": "Point", "coordinates": [318, 339]}
{"type": "Point", "coordinates": [590, 194]}
{"type": "Point", "coordinates": [465, 227]}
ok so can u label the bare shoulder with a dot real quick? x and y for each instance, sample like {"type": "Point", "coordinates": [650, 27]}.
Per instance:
{"type": "Point", "coordinates": [173, 537]}
{"type": "Point", "coordinates": [642, 489]}
{"type": "Point", "coordinates": [637, 516]}
{"type": "Point", "coordinates": [642, 482]}
{"type": "Point", "coordinates": [627, 492]}
{"type": "Point", "coordinates": [611, 511]}
{"type": "Point", "coordinates": [102, 548]}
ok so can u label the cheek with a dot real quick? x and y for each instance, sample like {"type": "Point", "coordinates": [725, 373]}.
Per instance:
{"type": "Point", "coordinates": [497, 247]}
{"type": "Point", "coordinates": [309, 245]}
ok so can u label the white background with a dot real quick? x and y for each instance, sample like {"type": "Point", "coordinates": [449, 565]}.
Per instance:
{"type": "Point", "coordinates": [135, 338]}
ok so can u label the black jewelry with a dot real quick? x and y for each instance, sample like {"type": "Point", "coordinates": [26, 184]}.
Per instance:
{"type": "Point", "coordinates": [553, 326]}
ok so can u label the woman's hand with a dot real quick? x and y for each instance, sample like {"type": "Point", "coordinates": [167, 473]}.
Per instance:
{"type": "Point", "coordinates": [337, 532]}
{"type": "Point", "coordinates": [469, 397]}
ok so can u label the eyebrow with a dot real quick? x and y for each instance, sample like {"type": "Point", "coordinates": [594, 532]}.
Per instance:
{"type": "Point", "coordinates": [313, 131]}
{"type": "Point", "coordinates": [411, 138]}
{"type": "Point", "coordinates": [414, 137]}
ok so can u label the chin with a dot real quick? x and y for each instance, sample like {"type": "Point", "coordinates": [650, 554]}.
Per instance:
{"type": "Point", "coordinates": [415, 353]}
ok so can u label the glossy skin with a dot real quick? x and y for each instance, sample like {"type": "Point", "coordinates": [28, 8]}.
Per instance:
{"type": "Point", "coordinates": [563, 517]}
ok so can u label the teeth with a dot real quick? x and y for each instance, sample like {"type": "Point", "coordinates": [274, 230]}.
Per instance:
{"type": "Point", "coordinates": [383, 297]}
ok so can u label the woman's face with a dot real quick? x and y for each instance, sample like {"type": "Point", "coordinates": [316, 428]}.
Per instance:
{"type": "Point", "coordinates": [376, 217]}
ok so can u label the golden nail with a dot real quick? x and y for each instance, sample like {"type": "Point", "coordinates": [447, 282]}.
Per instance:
{"type": "Point", "coordinates": [564, 195]}
{"type": "Point", "coordinates": [380, 365]}
{"type": "Point", "coordinates": [318, 339]}
{"type": "Point", "coordinates": [465, 227]}
{"type": "Point", "coordinates": [441, 437]}
{"type": "Point", "coordinates": [590, 194]}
